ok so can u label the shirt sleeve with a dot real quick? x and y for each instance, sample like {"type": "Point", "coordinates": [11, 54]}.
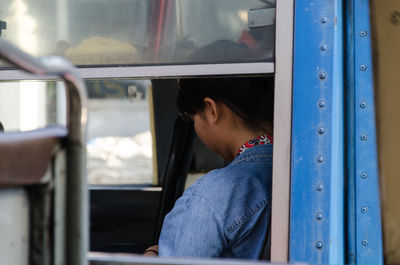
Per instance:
{"type": "Point", "coordinates": [192, 229]}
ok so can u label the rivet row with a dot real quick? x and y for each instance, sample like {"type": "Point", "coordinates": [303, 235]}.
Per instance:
{"type": "Point", "coordinates": [321, 130]}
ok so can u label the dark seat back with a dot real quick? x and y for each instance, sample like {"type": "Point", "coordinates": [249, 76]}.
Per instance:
{"type": "Point", "coordinates": [174, 177]}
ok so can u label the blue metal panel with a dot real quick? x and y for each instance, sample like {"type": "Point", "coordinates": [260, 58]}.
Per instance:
{"type": "Point", "coordinates": [317, 212]}
{"type": "Point", "coordinates": [363, 195]}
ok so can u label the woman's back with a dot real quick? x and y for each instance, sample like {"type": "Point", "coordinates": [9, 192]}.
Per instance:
{"type": "Point", "coordinates": [225, 213]}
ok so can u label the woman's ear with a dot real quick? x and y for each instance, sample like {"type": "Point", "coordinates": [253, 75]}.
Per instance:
{"type": "Point", "coordinates": [212, 109]}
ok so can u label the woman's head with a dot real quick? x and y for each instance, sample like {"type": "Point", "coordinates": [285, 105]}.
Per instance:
{"type": "Point", "coordinates": [250, 98]}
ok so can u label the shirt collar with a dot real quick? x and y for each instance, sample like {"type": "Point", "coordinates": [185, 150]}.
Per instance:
{"type": "Point", "coordinates": [259, 140]}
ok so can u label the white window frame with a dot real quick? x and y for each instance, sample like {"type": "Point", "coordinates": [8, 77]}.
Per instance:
{"type": "Point", "coordinates": [157, 71]}
{"type": "Point", "coordinates": [280, 214]}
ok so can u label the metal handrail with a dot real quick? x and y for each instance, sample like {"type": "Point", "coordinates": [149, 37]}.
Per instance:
{"type": "Point", "coordinates": [58, 67]}
{"type": "Point", "coordinates": [76, 228]}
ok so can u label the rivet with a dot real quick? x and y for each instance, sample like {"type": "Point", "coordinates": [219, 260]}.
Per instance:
{"type": "Point", "coordinates": [363, 67]}
{"type": "Point", "coordinates": [324, 20]}
{"type": "Point", "coordinates": [319, 216]}
{"type": "Point", "coordinates": [322, 75]}
{"type": "Point", "coordinates": [364, 242]}
{"type": "Point", "coordinates": [320, 187]}
{"type": "Point", "coordinates": [320, 158]}
{"type": "Point", "coordinates": [364, 209]}
{"type": "Point", "coordinates": [363, 33]}
{"type": "Point", "coordinates": [319, 244]}
{"type": "Point", "coordinates": [363, 104]}
{"type": "Point", "coordinates": [322, 103]}
{"type": "Point", "coordinates": [364, 137]}
{"type": "Point", "coordinates": [364, 175]}
{"type": "Point", "coordinates": [321, 130]}
{"type": "Point", "coordinates": [322, 47]}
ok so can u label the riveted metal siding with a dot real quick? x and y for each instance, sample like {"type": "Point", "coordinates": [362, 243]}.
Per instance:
{"type": "Point", "coordinates": [316, 217]}
{"type": "Point", "coordinates": [365, 234]}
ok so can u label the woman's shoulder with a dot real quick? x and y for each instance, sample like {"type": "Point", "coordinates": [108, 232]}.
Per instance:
{"type": "Point", "coordinates": [235, 194]}
{"type": "Point", "coordinates": [225, 183]}
{"type": "Point", "coordinates": [212, 185]}
{"type": "Point", "coordinates": [233, 173]}
{"type": "Point", "coordinates": [210, 181]}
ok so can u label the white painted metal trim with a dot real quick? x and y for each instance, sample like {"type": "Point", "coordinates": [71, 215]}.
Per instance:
{"type": "Point", "coordinates": [19, 75]}
{"type": "Point", "coordinates": [60, 212]}
{"type": "Point", "coordinates": [14, 226]}
{"type": "Point", "coordinates": [155, 71]}
{"type": "Point", "coordinates": [282, 132]}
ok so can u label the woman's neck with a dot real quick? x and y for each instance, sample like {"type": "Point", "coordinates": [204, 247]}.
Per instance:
{"type": "Point", "coordinates": [231, 132]}
{"type": "Point", "coordinates": [239, 136]}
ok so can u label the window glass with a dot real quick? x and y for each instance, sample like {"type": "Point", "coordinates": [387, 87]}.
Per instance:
{"type": "Point", "coordinates": [29, 105]}
{"type": "Point", "coordinates": [125, 32]}
{"type": "Point", "coordinates": [120, 138]}
{"type": "Point", "coordinates": [119, 145]}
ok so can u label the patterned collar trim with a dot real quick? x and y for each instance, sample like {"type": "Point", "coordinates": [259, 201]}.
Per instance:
{"type": "Point", "coordinates": [260, 140]}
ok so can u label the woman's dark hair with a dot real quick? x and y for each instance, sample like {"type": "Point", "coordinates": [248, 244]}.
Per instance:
{"type": "Point", "coordinates": [251, 98]}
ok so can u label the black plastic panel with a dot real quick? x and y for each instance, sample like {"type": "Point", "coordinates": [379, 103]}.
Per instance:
{"type": "Point", "coordinates": [122, 219]}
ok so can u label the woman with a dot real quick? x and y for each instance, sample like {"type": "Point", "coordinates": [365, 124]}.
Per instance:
{"type": "Point", "coordinates": [226, 212]}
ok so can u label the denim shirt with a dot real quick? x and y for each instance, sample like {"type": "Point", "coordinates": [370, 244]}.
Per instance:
{"type": "Point", "coordinates": [225, 213]}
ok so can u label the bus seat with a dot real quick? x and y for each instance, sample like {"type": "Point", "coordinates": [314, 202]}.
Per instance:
{"type": "Point", "coordinates": [180, 156]}
{"type": "Point", "coordinates": [25, 156]}
{"type": "Point", "coordinates": [266, 252]}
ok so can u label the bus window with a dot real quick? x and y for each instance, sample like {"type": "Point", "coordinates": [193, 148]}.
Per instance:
{"type": "Point", "coordinates": [120, 149]}
{"type": "Point", "coordinates": [143, 32]}
{"type": "Point", "coordinates": [130, 130]}
{"type": "Point", "coordinates": [29, 105]}
{"type": "Point", "coordinates": [131, 123]}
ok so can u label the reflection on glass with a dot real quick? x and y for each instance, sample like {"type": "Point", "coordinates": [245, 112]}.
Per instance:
{"type": "Point", "coordinates": [104, 32]}
{"type": "Point", "coordinates": [119, 148]}
{"type": "Point", "coordinates": [29, 105]}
